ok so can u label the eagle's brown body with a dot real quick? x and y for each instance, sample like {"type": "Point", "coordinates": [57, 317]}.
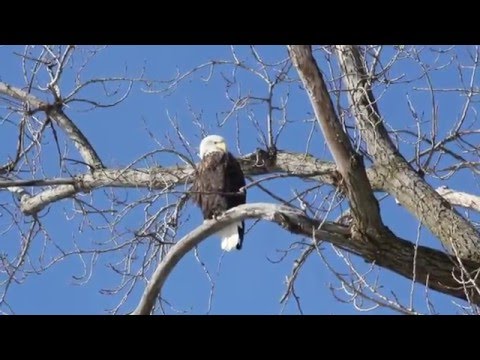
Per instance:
{"type": "Point", "coordinates": [218, 186]}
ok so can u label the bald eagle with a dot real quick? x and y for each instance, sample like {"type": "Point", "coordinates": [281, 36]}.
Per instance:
{"type": "Point", "coordinates": [218, 186]}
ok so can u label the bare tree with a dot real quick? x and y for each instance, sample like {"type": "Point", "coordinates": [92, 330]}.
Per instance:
{"type": "Point", "coordinates": [351, 161]}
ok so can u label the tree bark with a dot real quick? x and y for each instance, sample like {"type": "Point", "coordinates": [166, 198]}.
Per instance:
{"type": "Point", "coordinates": [426, 266]}
{"type": "Point", "coordinates": [401, 180]}
{"type": "Point", "coordinates": [364, 205]}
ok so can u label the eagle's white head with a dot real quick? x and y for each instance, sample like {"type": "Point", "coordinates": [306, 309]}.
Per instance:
{"type": "Point", "coordinates": [211, 144]}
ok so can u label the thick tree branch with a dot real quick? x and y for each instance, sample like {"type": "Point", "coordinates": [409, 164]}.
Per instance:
{"type": "Point", "coordinates": [364, 205]}
{"type": "Point", "coordinates": [162, 178]}
{"type": "Point", "coordinates": [401, 180]}
{"type": "Point", "coordinates": [431, 266]}
{"type": "Point", "coordinates": [61, 119]}
{"type": "Point", "coordinates": [159, 178]}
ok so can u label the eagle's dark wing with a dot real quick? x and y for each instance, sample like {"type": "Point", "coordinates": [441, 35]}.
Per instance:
{"type": "Point", "coordinates": [235, 185]}
{"type": "Point", "coordinates": [235, 181]}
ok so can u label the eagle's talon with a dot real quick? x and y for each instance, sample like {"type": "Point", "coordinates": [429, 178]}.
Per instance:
{"type": "Point", "coordinates": [217, 214]}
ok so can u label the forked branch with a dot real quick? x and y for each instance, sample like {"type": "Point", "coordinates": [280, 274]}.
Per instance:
{"type": "Point", "coordinates": [402, 181]}
{"type": "Point", "coordinates": [54, 111]}
{"type": "Point", "coordinates": [364, 205]}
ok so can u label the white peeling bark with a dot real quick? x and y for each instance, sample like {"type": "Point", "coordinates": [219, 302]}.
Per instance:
{"type": "Point", "coordinates": [459, 198]}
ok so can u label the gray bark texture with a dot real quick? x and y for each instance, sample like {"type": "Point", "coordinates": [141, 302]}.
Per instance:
{"type": "Point", "coordinates": [401, 180]}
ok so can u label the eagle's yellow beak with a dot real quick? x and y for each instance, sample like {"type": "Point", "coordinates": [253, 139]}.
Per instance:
{"type": "Point", "coordinates": [222, 146]}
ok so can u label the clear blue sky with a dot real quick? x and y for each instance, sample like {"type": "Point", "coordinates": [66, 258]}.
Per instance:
{"type": "Point", "coordinates": [247, 282]}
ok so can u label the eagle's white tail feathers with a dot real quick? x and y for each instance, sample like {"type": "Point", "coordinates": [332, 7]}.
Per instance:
{"type": "Point", "coordinates": [229, 236]}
